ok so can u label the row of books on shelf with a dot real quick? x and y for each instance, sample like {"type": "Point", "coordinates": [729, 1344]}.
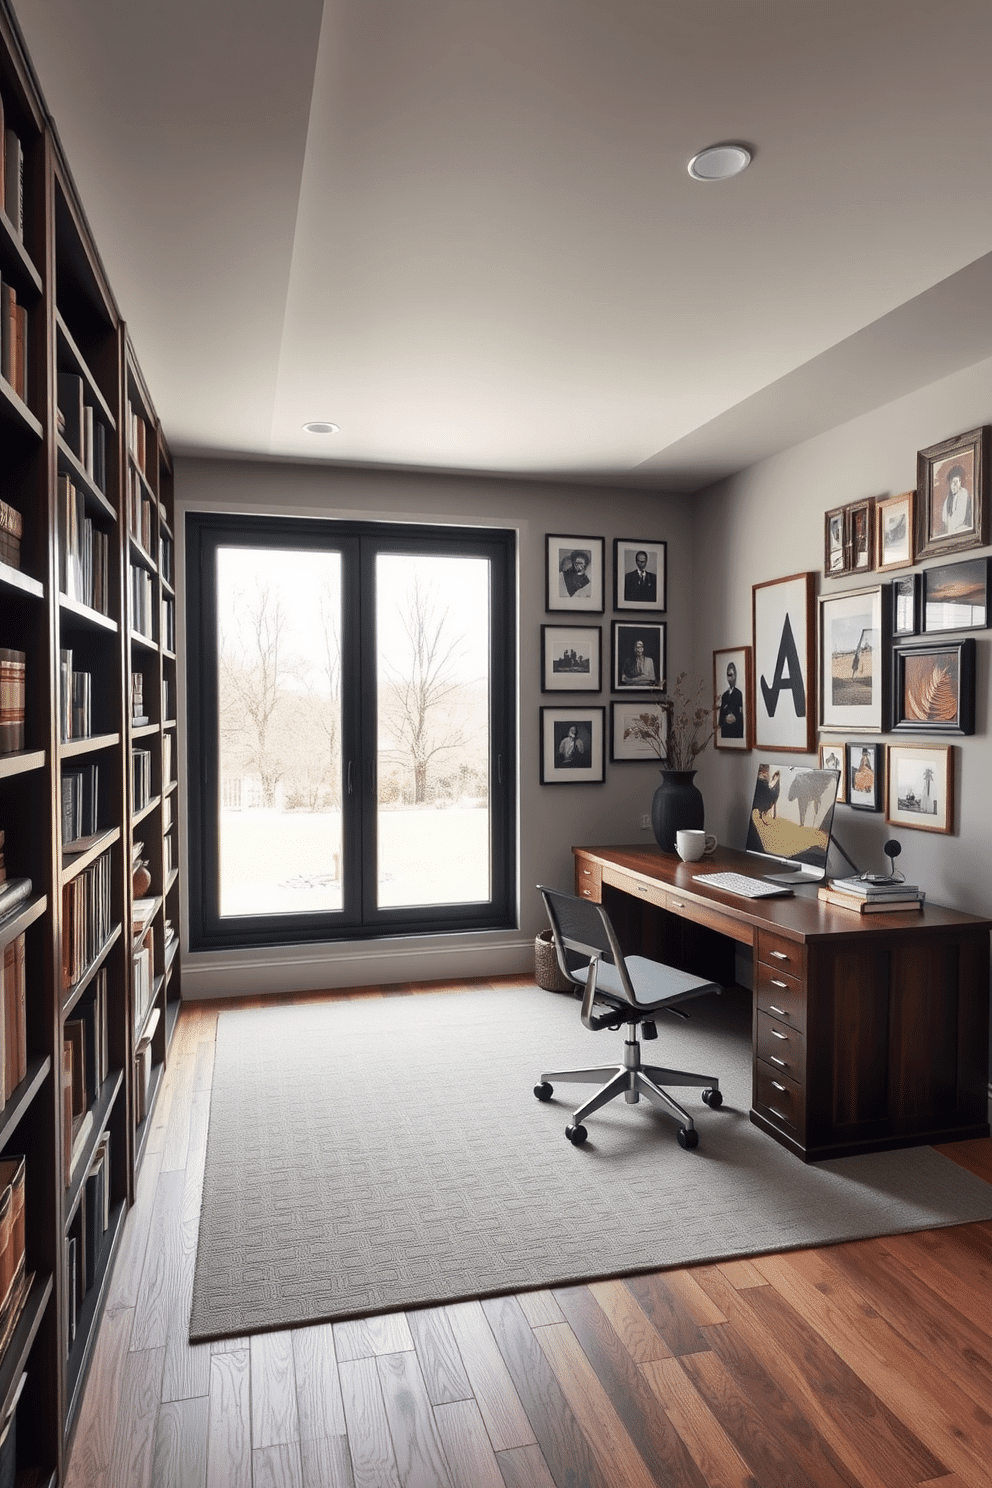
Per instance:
{"type": "Point", "coordinates": [87, 918]}
{"type": "Point", "coordinates": [12, 174]}
{"type": "Point", "coordinates": [167, 775]}
{"type": "Point", "coordinates": [80, 806]}
{"type": "Point", "coordinates": [140, 512]}
{"type": "Point", "coordinates": [13, 340]}
{"type": "Point", "coordinates": [11, 533]}
{"type": "Point", "coordinates": [143, 1069]}
{"type": "Point", "coordinates": [13, 891]}
{"type": "Point", "coordinates": [138, 438]}
{"type": "Point", "coordinates": [13, 689]}
{"type": "Point", "coordinates": [85, 1065]}
{"type": "Point", "coordinates": [91, 1223]}
{"type": "Point", "coordinates": [865, 896]}
{"type": "Point", "coordinates": [75, 699]}
{"type": "Point", "coordinates": [81, 428]}
{"type": "Point", "coordinates": [138, 714]}
{"type": "Point", "coordinates": [15, 1280]}
{"type": "Point", "coordinates": [142, 601]}
{"type": "Point", "coordinates": [84, 551]}
{"type": "Point", "coordinates": [13, 1024]}
{"type": "Point", "coordinates": [169, 624]}
{"type": "Point", "coordinates": [141, 778]}
{"type": "Point", "coordinates": [165, 557]}
{"type": "Point", "coordinates": [142, 956]}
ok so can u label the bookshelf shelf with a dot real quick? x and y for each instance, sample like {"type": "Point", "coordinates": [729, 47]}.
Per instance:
{"type": "Point", "coordinates": [83, 454]}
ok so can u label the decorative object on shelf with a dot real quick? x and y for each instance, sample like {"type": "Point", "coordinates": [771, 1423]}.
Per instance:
{"type": "Point", "coordinates": [573, 573]}
{"type": "Point", "coordinates": [952, 512]}
{"type": "Point", "coordinates": [640, 576]}
{"type": "Point", "coordinates": [141, 880]}
{"type": "Point", "coordinates": [733, 689]}
{"type": "Point", "coordinates": [854, 643]}
{"type": "Point", "coordinates": [639, 655]}
{"type": "Point", "coordinates": [832, 756]}
{"type": "Point", "coordinates": [933, 687]}
{"type": "Point", "coordinates": [784, 663]}
{"type": "Point", "coordinates": [571, 741]}
{"type": "Point", "coordinates": [904, 606]}
{"type": "Point", "coordinates": [956, 596]}
{"type": "Point", "coordinates": [865, 776]}
{"type": "Point", "coordinates": [636, 730]}
{"type": "Point", "coordinates": [920, 790]}
{"type": "Point", "coordinates": [895, 531]}
{"type": "Point", "coordinates": [571, 658]}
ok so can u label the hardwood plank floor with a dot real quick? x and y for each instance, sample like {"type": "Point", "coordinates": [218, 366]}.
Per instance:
{"type": "Point", "coordinates": [867, 1365]}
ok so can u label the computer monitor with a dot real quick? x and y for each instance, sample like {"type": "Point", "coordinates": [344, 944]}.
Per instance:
{"type": "Point", "coordinates": [791, 815]}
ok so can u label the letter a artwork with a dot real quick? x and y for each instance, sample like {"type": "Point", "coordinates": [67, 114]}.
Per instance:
{"type": "Point", "coordinates": [788, 675]}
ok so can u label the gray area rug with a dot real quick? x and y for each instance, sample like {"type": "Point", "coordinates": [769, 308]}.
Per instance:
{"type": "Point", "coordinates": [379, 1154]}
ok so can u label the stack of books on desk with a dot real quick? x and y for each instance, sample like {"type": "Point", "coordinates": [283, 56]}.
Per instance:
{"type": "Point", "coordinates": [864, 897]}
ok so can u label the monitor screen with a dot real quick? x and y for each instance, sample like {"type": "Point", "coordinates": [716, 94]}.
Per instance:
{"type": "Point", "coordinates": [791, 814]}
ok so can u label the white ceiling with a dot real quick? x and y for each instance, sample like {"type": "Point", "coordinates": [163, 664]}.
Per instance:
{"type": "Point", "coordinates": [463, 229]}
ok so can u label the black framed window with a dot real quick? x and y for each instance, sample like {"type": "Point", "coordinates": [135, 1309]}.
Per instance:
{"type": "Point", "coordinates": [351, 720]}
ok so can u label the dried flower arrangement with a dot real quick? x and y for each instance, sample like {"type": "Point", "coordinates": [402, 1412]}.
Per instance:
{"type": "Point", "coordinates": [672, 726]}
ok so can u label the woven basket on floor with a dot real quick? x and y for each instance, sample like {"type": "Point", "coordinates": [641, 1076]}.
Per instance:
{"type": "Point", "coordinates": [547, 973]}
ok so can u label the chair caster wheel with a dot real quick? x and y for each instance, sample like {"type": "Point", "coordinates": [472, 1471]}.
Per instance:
{"type": "Point", "coordinates": [688, 1137]}
{"type": "Point", "coordinates": [576, 1135]}
{"type": "Point", "coordinates": [713, 1099]}
{"type": "Point", "coordinates": [544, 1091]}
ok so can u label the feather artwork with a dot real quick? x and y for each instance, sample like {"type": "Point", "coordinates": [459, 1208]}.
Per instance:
{"type": "Point", "coordinates": [931, 696]}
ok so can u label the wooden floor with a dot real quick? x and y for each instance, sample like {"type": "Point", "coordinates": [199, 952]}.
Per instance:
{"type": "Point", "coordinates": [866, 1364]}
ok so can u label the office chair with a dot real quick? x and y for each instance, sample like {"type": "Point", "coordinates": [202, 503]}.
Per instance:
{"type": "Point", "coordinates": [633, 990]}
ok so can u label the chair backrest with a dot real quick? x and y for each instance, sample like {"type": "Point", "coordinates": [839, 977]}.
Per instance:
{"type": "Point", "coordinates": [582, 930]}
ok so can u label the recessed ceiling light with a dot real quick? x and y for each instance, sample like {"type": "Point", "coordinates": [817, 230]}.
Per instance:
{"type": "Point", "coordinates": [719, 162]}
{"type": "Point", "coordinates": [321, 426]}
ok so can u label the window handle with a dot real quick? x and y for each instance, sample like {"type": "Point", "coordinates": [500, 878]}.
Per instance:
{"type": "Point", "coordinates": [350, 787]}
{"type": "Point", "coordinates": [499, 769]}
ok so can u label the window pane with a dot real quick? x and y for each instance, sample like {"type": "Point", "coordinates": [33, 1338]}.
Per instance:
{"type": "Point", "coordinates": [279, 704]}
{"type": "Point", "coordinates": [432, 752]}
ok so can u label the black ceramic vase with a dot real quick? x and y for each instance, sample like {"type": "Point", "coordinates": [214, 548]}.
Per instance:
{"type": "Point", "coordinates": [677, 807]}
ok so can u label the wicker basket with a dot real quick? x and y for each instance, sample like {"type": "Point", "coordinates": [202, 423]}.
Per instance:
{"type": "Point", "coordinates": [547, 973]}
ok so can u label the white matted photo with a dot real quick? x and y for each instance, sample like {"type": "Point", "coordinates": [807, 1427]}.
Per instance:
{"type": "Point", "coordinates": [638, 731]}
{"type": "Point", "coordinates": [854, 670]}
{"type": "Point", "coordinates": [571, 658]}
{"type": "Point", "coordinates": [784, 663]}
{"type": "Point", "coordinates": [733, 687]}
{"type": "Point", "coordinates": [573, 578]}
{"type": "Point", "coordinates": [920, 789]}
{"type": "Point", "coordinates": [572, 745]}
{"type": "Point", "coordinates": [639, 573]}
{"type": "Point", "coordinates": [833, 756]}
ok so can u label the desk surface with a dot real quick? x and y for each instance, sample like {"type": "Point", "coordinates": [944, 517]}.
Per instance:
{"type": "Point", "coordinates": [798, 916]}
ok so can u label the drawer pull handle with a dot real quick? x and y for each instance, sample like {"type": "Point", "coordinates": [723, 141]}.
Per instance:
{"type": "Point", "coordinates": [677, 905]}
{"type": "Point", "coordinates": [779, 1062]}
{"type": "Point", "coordinates": [779, 955]}
{"type": "Point", "coordinates": [776, 983]}
{"type": "Point", "coordinates": [773, 1009]}
{"type": "Point", "coordinates": [777, 1086]}
{"type": "Point", "coordinates": [780, 1114]}
{"type": "Point", "coordinates": [783, 1036]}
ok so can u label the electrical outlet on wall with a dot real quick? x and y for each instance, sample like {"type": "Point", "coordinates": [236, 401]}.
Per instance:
{"type": "Point", "coordinates": [645, 822]}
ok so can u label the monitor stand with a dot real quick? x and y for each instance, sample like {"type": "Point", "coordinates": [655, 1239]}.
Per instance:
{"type": "Point", "coordinates": [799, 874]}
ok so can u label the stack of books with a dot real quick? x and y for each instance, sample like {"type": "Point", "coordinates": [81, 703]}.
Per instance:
{"type": "Point", "coordinates": [864, 897]}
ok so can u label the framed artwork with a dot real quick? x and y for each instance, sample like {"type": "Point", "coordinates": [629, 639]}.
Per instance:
{"type": "Point", "coordinates": [865, 784]}
{"type": "Point", "coordinates": [950, 477]}
{"type": "Point", "coordinates": [920, 790]}
{"type": "Point", "coordinates": [733, 692]}
{"type": "Point", "coordinates": [572, 745]}
{"type": "Point", "coordinates": [640, 574]}
{"type": "Point", "coordinates": [638, 655]}
{"type": "Point", "coordinates": [835, 543]}
{"type": "Point", "coordinates": [573, 578]}
{"type": "Point", "coordinates": [905, 605]}
{"type": "Point", "coordinates": [861, 535]}
{"type": "Point", "coordinates": [956, 596]}
{"type": "Point", "coordinates": [638, 731]}
{"type": "Point", "coordinates": [854, 644]}
{"type": "Point", "coordinates": [571, 658]}
{"type": "Point", "coordinates": [832, 756]}
{"type": "Point", "coordinates": [933, 687]}
{"type": "Point", "coordinates": [894, 531]}
{"type": "Point", "coordinates": [783, 614]}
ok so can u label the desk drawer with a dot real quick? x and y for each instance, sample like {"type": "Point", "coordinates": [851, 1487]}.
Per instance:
{"type": "Point", "coordinates": [775, 950]}
{"type": "Point", "coordinates": [637, 888]}
{"type": "Point", "coordinates": [708, 915]}
{"type": "Point", "coordinates": [781, 996]}
{"type": "Point", "coordinates": [780, 1099]}
{"type": "Point", "coordinates": [781, 1046]}
{"type": "Point", "coordinates": [588, 880]}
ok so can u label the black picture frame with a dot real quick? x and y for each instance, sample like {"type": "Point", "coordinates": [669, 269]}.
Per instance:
{"type": "Point", "coordinates": [955, 596]}
{"type": "Point", "coordinates": [949, 519]}
{"type": "Point", "coordinates": [634, 670]}
{"type": "Point", "coordinates": [585, 764]}
{"type": "Point", "coordinates": [904, 606]}
{"type": "Point", "coordinates": [564, 588]}
{"type": "Point", "coordinates": [933, 687]}
{"type": "Point", "coordinates": [571, 658]}
{"type": "Point", "coordinates": [865, 776]}
{"type": "Point", "coordinates": [630, 590]}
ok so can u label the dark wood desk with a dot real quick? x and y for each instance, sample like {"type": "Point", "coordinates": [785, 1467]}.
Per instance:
{"type": "Point", "coordinates": [869, 1031]}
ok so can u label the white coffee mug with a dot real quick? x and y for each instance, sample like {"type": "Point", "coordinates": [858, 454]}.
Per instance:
{"type": "Point", "coordinates": [692, 845]}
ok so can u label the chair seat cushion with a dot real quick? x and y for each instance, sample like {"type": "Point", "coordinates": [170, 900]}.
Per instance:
{"type": "Point", "coordinates": [655, 985]}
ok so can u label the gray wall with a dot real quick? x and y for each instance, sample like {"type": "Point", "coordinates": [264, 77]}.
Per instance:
{"type": "Point", "coordinates": [767, 523]}
{"type": "Point", "coordinates": [551, 818]}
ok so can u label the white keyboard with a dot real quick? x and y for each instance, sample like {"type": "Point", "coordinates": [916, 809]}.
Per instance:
{"type": "Point", "coordinates": [739, 883]}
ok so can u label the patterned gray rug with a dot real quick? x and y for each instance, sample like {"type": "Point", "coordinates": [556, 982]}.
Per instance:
{"type": "Point", "coordinates": [385, 1153]}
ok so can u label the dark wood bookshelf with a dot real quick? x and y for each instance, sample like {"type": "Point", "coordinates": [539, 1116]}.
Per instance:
{"type": "Point", "coordinates": [72, 327]}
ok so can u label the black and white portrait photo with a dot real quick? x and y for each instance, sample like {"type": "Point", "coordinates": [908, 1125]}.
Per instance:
{"type": "Point", "coordinates": [638, 656]}
{"type": "Point", "coordinates": [574, 574]}
{"type": "Point", "coordinates": [639, 577]}
{"type": "Point", "coordinates": [571, 658]}
{"type": "Point", "coordinates": [572, 745]}
{"type": "Point", "coordinates": [732, 698]}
